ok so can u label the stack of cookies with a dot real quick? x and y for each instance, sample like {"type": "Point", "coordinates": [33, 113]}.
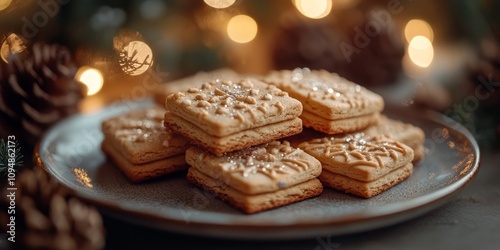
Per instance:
{"type": "Point", "coordinates": [363, 163]}
{"type": "Point", "coordinates": [234, 126]}
{"type": "Point", "coordinates": [364, 166]}
{"type": "Point", "coordinates": [140, 145]}
{"type": "Point", "coordinates": [256, 178]}
{"type": "Point", "coordinates": [332, 104]}
{"type": "Point", "coordinates": [223, 116]}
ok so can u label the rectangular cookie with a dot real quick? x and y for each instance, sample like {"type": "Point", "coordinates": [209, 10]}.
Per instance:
{"type": "Point", "coordinates": [406, 133]}
{"type": "Point", "coordinates": [257, 178]}
{"type": "Point", "coordinates": [360, 159]}
{"type": "Point", "coordinates": [326, 126]}
{"type": "Point", "coordinates": [193, 81]}
{"type": "Point", "coordinates": [144, 171]}
{"type": "Point", "coordinates": [363, 188]}
{"type": "Point", "coordinates": [251, 204]}
{"type": "Point", "coordinates": [140, 135]}
{"type": "Point", "coordinates": [141, 146]}
{"type": "Point", "coordinates": [236, 141]}
{"type": "Point", "coordinates": [223, 108]}
{"type": "Point", "coordinates": [330, 98]}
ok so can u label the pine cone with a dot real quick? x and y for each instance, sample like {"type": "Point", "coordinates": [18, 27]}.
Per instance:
{"type": "Point", "coordinates": [47, 218]}
{"type": "Point", "coordinates": [377, 60]}
{"type": "Point", "coordinates": [483, 86]}
{"type": "Point", "coordinates": [486, 73]}
{"type": "Point", "coordinates": [39, 90]}
{"type": "Point", "coordinates": [343, 45]}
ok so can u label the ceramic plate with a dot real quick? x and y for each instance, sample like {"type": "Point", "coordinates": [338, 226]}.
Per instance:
{"type": "Point", "coordinates": [70, 152]}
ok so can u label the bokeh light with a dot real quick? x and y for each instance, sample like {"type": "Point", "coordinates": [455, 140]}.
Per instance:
{"type": "Point", "coordinates": [242, 29]}
{"type": "Point", "coordinates": [11, 45]}
{"type": "Point", "coordinates": [417, 27]}
{"type": "Point", "coordinates": [315, 9]}
{"type": "Point", "coordinates": [4, 4]}
{"type": "Point", "coordinates": [219, 4]}
{"type": "Point", "coordinates": [421, 51]}
{"type": "Point", "coordinates": [136, 58]}
{"type": "Point", "coordinates": [92, 78]}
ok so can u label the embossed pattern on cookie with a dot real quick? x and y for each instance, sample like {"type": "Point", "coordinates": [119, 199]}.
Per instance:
{"type": "Point", "coordinates": [141, 135]}
{"type": "Point", "coordinates": [264, 168]}
{"type": "Point", "coordinates": [223, 107]}
{"type": "Point", "coordinates": [273, 160]}
{"type": "Point", "coordinates": [359, 157]}
{"type": "Point", "coordinates": [163, 90]}
{"type": "Point", "coordinates": [356, 149]}
{"type": "Point", "coordinates": [326, 94]}
{"type": "Point", "coordinates": [332, 89]}
{"type": "Point", "coordinates": [403, 132]}
{"type": "Point", "coordinates": [232, 100]}
{"type": "Point", "coordinates": [139, 126]}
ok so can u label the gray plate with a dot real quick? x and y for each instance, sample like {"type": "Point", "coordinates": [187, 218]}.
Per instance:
{"type": "Point", "coordinates": [70, 152]}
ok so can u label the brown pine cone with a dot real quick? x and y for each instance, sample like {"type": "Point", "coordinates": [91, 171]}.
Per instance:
{"type": "Point", "coordinates": [378, 46]}
{"type": "Point", "coordinates": [482, 91]}
{"type": "Point", "coordinates": [358, 44]}
{"type": "Point", "coordinates": [46, 217]}
{"type": "Point", "coordinates": [484, 75]}
{"type": "Point", "coordinates": [39, 90]}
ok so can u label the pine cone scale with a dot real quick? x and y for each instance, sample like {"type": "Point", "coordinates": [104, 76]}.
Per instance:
{"type": "Point", "coordinates": [39, 90]}
{"type": "Point", "coordinates": [48, 218]}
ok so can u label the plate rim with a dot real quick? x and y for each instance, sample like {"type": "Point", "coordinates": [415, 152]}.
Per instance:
{"type": "Point", "coordinates": [375, 217]}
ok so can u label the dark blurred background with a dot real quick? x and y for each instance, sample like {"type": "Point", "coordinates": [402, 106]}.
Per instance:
{"type": "Point", "coordinates": [429, 53]}
{"type": "Point", "coordinates": [188, 36]}
{"type": "Point", "coordinates": [61, 57]}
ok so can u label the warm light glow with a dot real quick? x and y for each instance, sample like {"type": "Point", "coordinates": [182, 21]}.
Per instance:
{"type": "Point", "coordinates": [11, 45]}
{"type": "Point", "coordinates": [420, 51]}
{"type": "Point", "coordinates": [242, 29]}
{"type": "Point", "coordinates": [417, 27]}
{"type": "Point", "coordinates": [315, 9]}
{"type": "Point", "coordinates": [219, 4]}
{"type": "Point", "coordinates": [4, 4]}
{"type": "Point", "coordinates": [82, 177]}
{"type": "Point", "coordinates": [136, 58]}
{"type": "Point", "coordinates": [92, 78]}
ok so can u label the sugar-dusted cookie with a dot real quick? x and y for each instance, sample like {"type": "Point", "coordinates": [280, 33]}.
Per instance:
{"type": "Point", "coordinates": [256, 178]}
{"type": "Point", "coordinates": [223, 116]}
{"type": "Point", "coordinates": [144, 171]}
{"type": "Point", "coordinates": [364, 166]}
{"type": "Point", "coordinates": [366, 189]}
{"type": "Point", "coordinates": [140, 145]}
{"type": "Point", "coordinates": [332, 104]}
{"type": "Point", "coordinates": [404, 132]}
{"type": "Point", "coordinates": [141, 136]}
{"type": "Point", "coordinates": [345, 125]}
{"type": "Point", "coordinates": [193, 81]}
{"type": "Point", "coordinates": [235, 141]}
